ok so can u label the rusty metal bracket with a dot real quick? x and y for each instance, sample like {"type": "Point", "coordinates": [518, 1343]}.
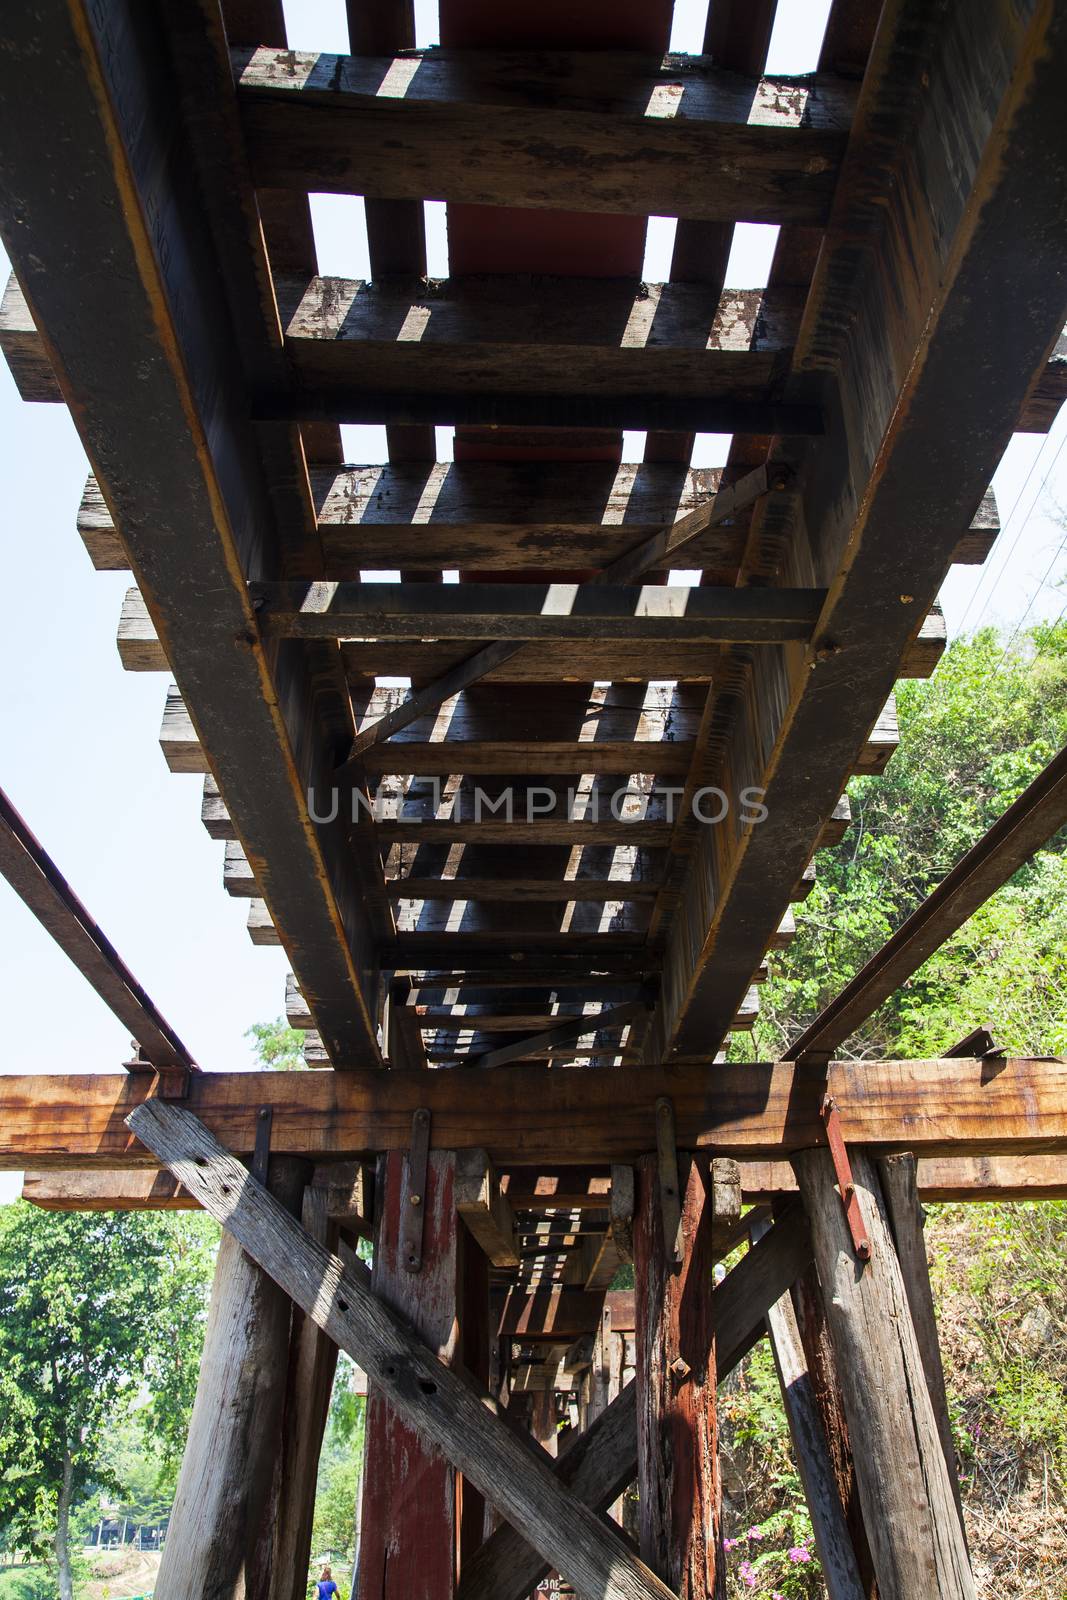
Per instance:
{"type": "Point", "coordinates": [670, 1198]}
{"type": "Point", "coordinates": [843, 1171]}
{"type": "Point", "coordinates": [261, 1154]}
{"type": "Point", "coordinates": [414, 1202]}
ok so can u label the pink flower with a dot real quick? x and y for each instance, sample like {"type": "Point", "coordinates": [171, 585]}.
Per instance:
{"type": "Point", "coordinates": [748, 1577]}
{"type": "Point", "coordinates": [798, 1553]}
{"type": "Point", "coordinates": [755, 1533]}
{"type": "Point", "coordinates": [728, 1544]}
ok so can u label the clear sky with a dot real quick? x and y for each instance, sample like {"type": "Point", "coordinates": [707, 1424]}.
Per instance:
{"type": "Point", "coordinates": [79, 752]}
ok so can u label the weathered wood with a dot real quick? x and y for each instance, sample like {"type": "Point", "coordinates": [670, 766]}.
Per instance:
{"type": "Point", "coordinates": [283, 1554]}
{"type": "Point", "coordinates": [407, 1548]}
{"type": "Point", "coordinates": [679, 1488]}
{"type": "Point", "coordinates": [725, 1204]}
{"type": "Point", "coordinates": [592, 132]}
{"type": "Point", "coordinates": [97, 196]}
{"type": "Point", "coordinates": [900, 1193]}
{"type": "Point", "coordinates": [905, 369]}
{"type": "Point", "coordinates": [484, 1208]}
{"type": "Point", "coordinates": [818, 1349]}
{"type": "Point", "coordinates": [561, 1314]}
{"type": "Point", "coordinates": [602, 1461]}
{"type": "Point", "coordinates": [904, 1485]}
{"type": "Point", "coordinates": [564, 1032]}
{"type": "Point", "coordinates": [450, 1412]}
{"type": "Point", "coordinates": [23, 348]}
{"type": "Point", "coordinates": [524, 1114]}
{"type": "Point", "coordinates": [42, 888]}
{"type": "Point", "coordinates": [832, 1542]}
{"type": "Point", "coordinates": [493, 516]}
{"type": "Point", "coordinates": [560, 612]}
{"type": "Point", "coordinates": [221, 1513]}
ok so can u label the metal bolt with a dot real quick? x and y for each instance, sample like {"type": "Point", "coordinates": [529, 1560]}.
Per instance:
{"type": "Point", "coordinates": [415, 1199]}
{"type": "Point", "coordinates": [680, 1368]}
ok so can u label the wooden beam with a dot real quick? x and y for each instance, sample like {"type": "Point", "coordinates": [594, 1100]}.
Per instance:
{"type": "Point", "coordinates": [953, 1179]}
{"type": "Point", "coordinates": [972, 195]}
{"type": "Point", "coordinates": [42, 888]}
{"type": "Point", "coordinates": [409, 1484]}
{"type": "Point", "coordinates": [525, 1114]}
{"type": "Point", "coordinates": [679, 1487]}
{"type": "Point", "coordinates": [520, 611]}
{"type": "Point", "coordinates": [1038, 813]}
{"type": "Point", "coordinates": [450, 1412]}
{"type": "Point", "coordinates": [565, 352]}
{"type": "Point", "coordinates": [221, 1517]}
{"type": "Point", "coordinates": [499, 516]}
{"type": "Point", "coordinates": [611, 132]}
{"type": "Point", "coordinates": [92, 194]}
{"type": "Point", "coordinates": [904, 1484]}
{"type": "Point", "coordinates": [567, 1031]}
{"type": "Point", "coordinates": [485, 1208]}
{"type": "Point", "coordinates": [832, 1542]}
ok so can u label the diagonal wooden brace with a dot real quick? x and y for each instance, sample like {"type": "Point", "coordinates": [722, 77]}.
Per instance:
{"type": "Point", "coordinates": [843, 1172]}
{"type": "Point", "coordinates": [448, 1408]}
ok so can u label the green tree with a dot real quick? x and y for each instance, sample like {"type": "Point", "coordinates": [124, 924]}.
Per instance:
{"type": "Point", "coordinates": [277, 1047]}
{"type": "Point", "coordinates": [971, 739]}
{"type": "Point", "coordinates": [100, 1313]}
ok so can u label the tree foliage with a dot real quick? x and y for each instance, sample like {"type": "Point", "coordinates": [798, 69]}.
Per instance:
{"type": "Point", "coordinates": [101, 1314]}
{"type": "Point", "coordinates": [276, 1046]}
{"type": "Point", "coordinates": [971, 739]}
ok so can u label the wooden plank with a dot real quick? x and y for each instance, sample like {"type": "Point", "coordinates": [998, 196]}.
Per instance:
{"type": "Point", "coordinates": [451, 1413]}
{"type": "Point", "coordinates": [560, 351]}
{"type": "Point", "coordinates": [941, 1178]}
{"type": "Point", "coordinates": [558, 1314]}
{"type": "Point", "coordinates": [23, 349]}
{"type": "Point", "coordinates": [679, 1487]}
{"type": "Point", "coordinates": [611, 132]}
{"type": "Point", "coordinates": [484, 1208]}
{"type": "Point", "coordinates": [569, 1030]}
{"type": "Point", "coordinates": [527, 758]}
{"type": "Point", "coordinates": [90, 196]}
{"type": "Point", "coordinates": [527, 1114]}
{"type": "Point", "coordinates": [557, 612]}
{"type": "Point", "coordinates": [966, 198]}
{"type": "Point", "coordinates": [493, 516]}
{"type": "Point", "coordinates": [1042, 404]}
{"type": "Point", "coordinates": [221, 1516]}
{"type": "Point", "coordinates": [904, 1484]}
{"type": "Point", "coordinates": [528, 891]}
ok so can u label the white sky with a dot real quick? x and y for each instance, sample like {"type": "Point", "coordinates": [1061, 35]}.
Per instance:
{"type": "Point", "coordinates": [79, 752]}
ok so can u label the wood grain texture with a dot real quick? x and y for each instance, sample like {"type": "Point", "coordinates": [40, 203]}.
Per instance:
{"type": "Point", "coordinates": [565, 131]}
{"type": "Point", "coordinates": [904, 1486]}
{"type": "Point", "coordinates": [484, 1208]}
{"type": "Point", "coordinates": [407, 1547]}
{"type": "Point", "coordinates": [221, 1519]}
{"type": "Point", "coordinates": [836, 1556]}
{"type": "Point", "coordinates": [525, 1114]}
{"type": "Point", "coordinates": [679, 1488]}
{"type": "Point", "coordinates": [451, 1412]}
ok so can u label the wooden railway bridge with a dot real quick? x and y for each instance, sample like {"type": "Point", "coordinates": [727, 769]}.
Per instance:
{"type": "Point", "coordinates": [518, 939]}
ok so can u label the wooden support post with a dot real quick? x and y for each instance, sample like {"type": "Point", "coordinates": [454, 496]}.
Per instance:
{"type": "Point", "coordinates": [409, 1529]}
{"type": "Point", "coordinates": [899, 1187]}
{"type": "Point", "coordinates": [451, 1412]}
{"type": "Point", "coordinates": [904, 1483]}
{"type": "Point", "coordinates": [832, 1541]}
{"type": "Point", "coordinates": [474, 1352]}
{"type": "Point", "coordinates": [220, 1522]}
{"type": "Point", "coordinates": [286, 1550]}
{"type": "Point", "coordinates": [678, 1468]}
{"type": "Point", "coordinates": [826, 1393]}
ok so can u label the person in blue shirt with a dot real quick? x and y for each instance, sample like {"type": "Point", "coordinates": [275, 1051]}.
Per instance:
{"type": "Point", "coordinates": [325, 1589]}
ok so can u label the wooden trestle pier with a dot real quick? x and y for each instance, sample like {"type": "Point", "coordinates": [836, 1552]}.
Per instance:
{"type": "Point", "coordinates": [520, 932]}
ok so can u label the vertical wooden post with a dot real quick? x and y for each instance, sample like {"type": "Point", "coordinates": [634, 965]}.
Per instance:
{"type": "Point", "coordinates": [474, 1353]}
{"type": "Point", "coordinates": [408, 1535]}
{"type": "Point", "coordinates": [826, 1393]}
{"type": "Point", "coordinates": [227, 1470]}
{"type": "Point", "coordinates": [908, 1504]}
{"type": "Point", "coordinates": [836, 1555]}
{"type": "Point", "coordinates": [678, 1467]}
{"type": "Point", "coordinates": [900, 1189]}
{"type": "Point", "coordinates": [281, 1565]}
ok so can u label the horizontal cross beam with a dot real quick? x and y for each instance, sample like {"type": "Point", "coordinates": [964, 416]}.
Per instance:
{"type": "Point", "coordinates": [525, 1114]}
